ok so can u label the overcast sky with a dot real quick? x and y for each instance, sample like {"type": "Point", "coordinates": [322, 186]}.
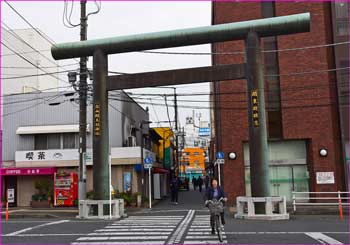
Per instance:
{"type": "Point", "coordinates": [124, 18]}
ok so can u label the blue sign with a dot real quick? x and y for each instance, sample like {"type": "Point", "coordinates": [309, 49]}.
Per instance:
{"type": "Point", "coordinates": [204, 131]}
{"type": "Point", "coordinates": [220, 155]}
{"type": "Point", "coordinates": [148, 160]}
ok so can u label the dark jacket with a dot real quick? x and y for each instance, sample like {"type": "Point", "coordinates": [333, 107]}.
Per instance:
{"type": "Point", "coordinates": [174, 185]}
{"type": "Point", "coordinates": [210, 193]}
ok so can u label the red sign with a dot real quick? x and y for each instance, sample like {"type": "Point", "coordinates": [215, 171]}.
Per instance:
{"type": "Point", "coordinates": [28, 171]}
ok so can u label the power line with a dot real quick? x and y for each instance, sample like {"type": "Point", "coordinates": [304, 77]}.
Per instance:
{"type": "Point", "coordinates": [27, 67]}
{"type": "Point", "coordinates": [35, 29]}
{"type": "Point", "coordinates": [15, 35]}
{"type": "Point", "coordinates": [235, 108]}
{"type": "Point", "coordinates": [167, 109]}
{"type": "Point", "coordinates": [24, 58]}
{"type": "Point", "coordinates": [32, 106]}
{"type": "Point", "coordinates": [285, 89]}
{"type": "Point", "coordinates": [241, 52]}
{"type": "Point", "coordinates": [34, 92]}
{"type": "Point", "coordinates": [37, 75]}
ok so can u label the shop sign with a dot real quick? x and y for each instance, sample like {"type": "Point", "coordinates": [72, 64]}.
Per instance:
{"type": "Point", "coordinates": [325, 178]}
{"type": "Point", "coordinates": [52, 155]}
{"type": "Point", "coordinates": [27, 171]}
{"type": "Point", "coordinates": [11, 195]}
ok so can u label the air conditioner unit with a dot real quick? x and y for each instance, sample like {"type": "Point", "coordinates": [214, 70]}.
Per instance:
{"type": "Point", "coordinates": [131, 141]}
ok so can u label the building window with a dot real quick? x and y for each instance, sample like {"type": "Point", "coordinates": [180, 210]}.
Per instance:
{"type": "Point", "coordinates": [341, 10]}
{"type": "Point", "coordinates": [342, 27]}
{"type": "Point", "coordinates": [56, 141]}
{"type": "Point", "coordinates": [195, 153]}
{"type": "Point", "coordinates": [341, 18]}
{"type": "Point", "coordinates": [53, 141]}
{"type": "Point", "coordinates": [40, 142]}
{"type": "Point", "coordinates": [69, 141]}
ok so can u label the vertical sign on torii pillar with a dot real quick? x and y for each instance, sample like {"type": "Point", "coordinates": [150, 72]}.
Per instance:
{"type": "Point", "coordinates": [250, 31]}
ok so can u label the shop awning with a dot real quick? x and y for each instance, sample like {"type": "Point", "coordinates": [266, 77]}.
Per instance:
{"type": "Point", "coordinates": [27, 171]}
{"type": "Point", "coordinates": [47, 129]}
{"type": "Point", "coordinates": [161, 170]}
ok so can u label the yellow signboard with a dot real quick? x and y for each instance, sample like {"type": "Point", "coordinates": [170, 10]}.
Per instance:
{"type": "Point", "coordinates": [97, 117]}
{"type": "Point", "coordinates": [255, 105]}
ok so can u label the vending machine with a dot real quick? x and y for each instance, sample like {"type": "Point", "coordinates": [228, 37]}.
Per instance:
{"type": "Point", "coordinates": [65, 189]}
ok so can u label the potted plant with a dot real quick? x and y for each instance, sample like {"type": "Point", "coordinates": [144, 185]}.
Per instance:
{"type": "Point", "coordinates": [42, 199]}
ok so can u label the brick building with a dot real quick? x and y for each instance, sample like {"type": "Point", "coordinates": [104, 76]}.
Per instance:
{"type": "Point", "coordinates": [306, 104]}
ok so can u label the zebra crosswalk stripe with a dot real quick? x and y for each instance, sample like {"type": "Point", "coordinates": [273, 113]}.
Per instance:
{"type": "Point", "coordinates": [134, 230]}
{"type": "Point", "coordinates": [200, 232]}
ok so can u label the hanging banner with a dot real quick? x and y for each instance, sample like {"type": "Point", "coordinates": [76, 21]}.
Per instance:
{"type": "Point", "coordinates": [127, 181]}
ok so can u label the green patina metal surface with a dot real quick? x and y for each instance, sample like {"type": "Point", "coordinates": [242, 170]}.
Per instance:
{"type": "Point", "coordinates": [275, 26]}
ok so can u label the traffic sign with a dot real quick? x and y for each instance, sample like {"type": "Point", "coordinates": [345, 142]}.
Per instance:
{"type": "Point", "coordinates": [220, 155]}
{"type": "Point", "coordinates": [148, 160]}
{"type": "Point", "coordinates": [220, 161]}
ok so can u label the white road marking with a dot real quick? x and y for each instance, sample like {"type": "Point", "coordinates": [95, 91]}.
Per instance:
{"type": "Point", "coordinates": [132, 229]}
{"type": "Point", "coordinates": [145, 229]}
{"type": "Point", "coordinates": [201, 233]}
{"type": "Point", "coordinates": [280, 232]}
{"type": "Point", "coordinates": [178, 234]}
{"type": "Point", "coordinates": [124, 243]}
{"type": "Point", "coordinates": [140, 226]}
{"type": "Point", "coordinates": [205, 237]}
{"type": "Point", "coordinates": [37, 226]}
{"type": "Point", "coordinates": [322, 238]}
{"type": "Point", "coordinates": [128, 233]}
{"type": "Point", "coordinates": [47, 234]}
{"type": "Point", "coordinates": [204, 242]}
{"type": "Point", "coordinates": [126, 238]}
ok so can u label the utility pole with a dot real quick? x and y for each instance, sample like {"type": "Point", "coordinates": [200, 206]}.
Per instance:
{"type": "Point", "coordinates": [82, 105]}
{"type": "Point", "coordinates": [176, 132]}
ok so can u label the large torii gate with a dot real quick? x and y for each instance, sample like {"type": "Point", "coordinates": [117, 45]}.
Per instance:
{"type": "Point", "coordinates": [250, 31]}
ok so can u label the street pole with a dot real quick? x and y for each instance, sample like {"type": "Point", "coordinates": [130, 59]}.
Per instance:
{"type": "Point", "coordinates": [176, 133]}
{"type": "Point", "coordinates": [219, 174]}
{"type": "Point", "coordinates": [82, 106]}
{"type": "Point", "coordinates": [258, 148]}
{"type": "Point", "coordinates": [142, 168]}
{"type": "Point", "coordinates": [150, 188]}
{"type": "Point", "coordinates": [110, 184]}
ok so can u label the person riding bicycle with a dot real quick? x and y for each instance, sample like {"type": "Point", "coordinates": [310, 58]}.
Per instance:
{"type": "Point", "coordinates": [215, 192]}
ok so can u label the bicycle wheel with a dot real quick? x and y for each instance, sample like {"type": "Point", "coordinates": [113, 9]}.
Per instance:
{"type": "Point", "coordinates": [218, 227]}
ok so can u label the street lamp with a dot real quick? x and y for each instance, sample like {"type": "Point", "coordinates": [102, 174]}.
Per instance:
{"type": "Point", "coordinates": [143, 122]}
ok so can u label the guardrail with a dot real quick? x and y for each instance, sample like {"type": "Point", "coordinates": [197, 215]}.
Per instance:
{"type": "Point", "coordinates": [339, 196]}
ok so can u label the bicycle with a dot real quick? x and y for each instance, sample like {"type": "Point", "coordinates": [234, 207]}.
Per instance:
{"type": "Point", "coordinates": [216, 208]}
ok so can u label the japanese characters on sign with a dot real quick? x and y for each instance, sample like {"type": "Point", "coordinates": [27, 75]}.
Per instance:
{"type": "Point", "coordinates": [97, 118]}
{"type": "Point", "coordinates": [325, 178]}
{"type": "Point", "coordinates": [39, 155]}
{"type": "Point", "coordinates": [255, 111]}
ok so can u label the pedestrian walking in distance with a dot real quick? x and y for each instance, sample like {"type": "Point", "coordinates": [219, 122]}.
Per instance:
{"type": "Point", "coordinates": [206, 182]}
{"type": "Point", "coordinates": [174, 186]}
{"type": "Point", "coordinates": [194, 183]}
{"type": "Point", "coordinates": [200, 183]}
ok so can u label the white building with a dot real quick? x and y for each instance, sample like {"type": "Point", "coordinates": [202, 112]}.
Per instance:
{"type": "Point", "coordinates": [21, 62]}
